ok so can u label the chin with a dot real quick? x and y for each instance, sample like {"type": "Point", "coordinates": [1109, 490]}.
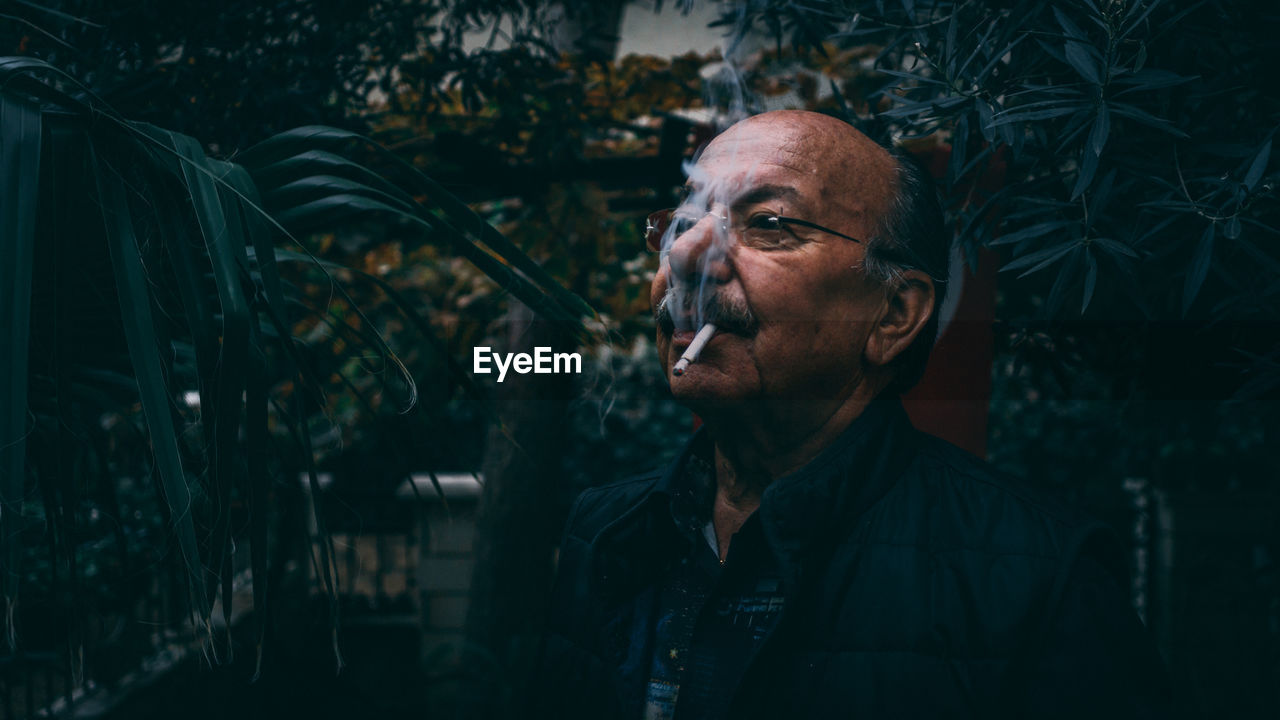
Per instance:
{"type": "Point", "coordinates": [706, 390]}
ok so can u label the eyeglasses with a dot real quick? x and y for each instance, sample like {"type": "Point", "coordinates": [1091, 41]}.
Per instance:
{"type": "Point", "coordinates": [759, 230]}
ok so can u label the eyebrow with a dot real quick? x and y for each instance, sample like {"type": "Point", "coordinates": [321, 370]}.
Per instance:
{"type": "Point", "coordinates": [762, 193]}
{"type": "Point", "coordinates": [757, 194]}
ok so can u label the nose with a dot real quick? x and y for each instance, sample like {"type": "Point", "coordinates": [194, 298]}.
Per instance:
{"type": "Point", "coordinates": [702, 251]}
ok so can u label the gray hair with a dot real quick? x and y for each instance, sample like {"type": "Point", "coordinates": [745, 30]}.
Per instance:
{"type": "Point", "coordinates": [912, 235]}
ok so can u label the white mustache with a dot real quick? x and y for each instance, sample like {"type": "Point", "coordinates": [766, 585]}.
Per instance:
{"type": "Point", "coordinates": [729, 315]}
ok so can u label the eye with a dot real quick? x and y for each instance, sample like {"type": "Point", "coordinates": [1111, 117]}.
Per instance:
{"type": "Point", "coordinates": [761, 221]}
{"type": "Point", "coordinates": [765, 231]}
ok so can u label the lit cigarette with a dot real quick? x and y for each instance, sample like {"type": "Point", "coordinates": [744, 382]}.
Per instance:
{"type": "Point", "coordinates": [692, 352]}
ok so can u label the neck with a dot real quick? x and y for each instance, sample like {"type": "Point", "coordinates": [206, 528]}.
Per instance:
{"type": "Point", "coordinates": [755, 448]}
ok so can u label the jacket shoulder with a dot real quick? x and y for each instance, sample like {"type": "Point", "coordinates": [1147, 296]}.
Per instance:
{"type": "Point", "coordinates": [1002, 514]}
{"type": "Point", "coordinates": [598, 506]}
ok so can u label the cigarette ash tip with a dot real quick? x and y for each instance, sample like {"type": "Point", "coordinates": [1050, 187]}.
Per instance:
{"type": "Point", "coordinates": [692, 352]}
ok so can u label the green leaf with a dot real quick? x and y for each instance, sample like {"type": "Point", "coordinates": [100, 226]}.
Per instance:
{"type": "Point", "coordinates": [1041, 258]}
{"type": "Point", "coordinates": [996, 57]}
{"type": "Point", "coordinates": [1066, 275]}
{"type": "Point", "coordinates": [1258, 167]}
{"type": "Point", "coordinates": [257, 442]}
{"type": "Point", "coordinates": [953, 26]}
{"type": "Point", "coordinates": [1150, 79]}
{"type": "Point", "coordinates": [1033, 110]}
{"type": "Point", "coordinates": [456, 372]}
{"type": "Point", "coordinates": [58, 13]}
{"type": "Point", "coordinates": [276, 177]}
{"type": "Point", "coordinates": [1100, 198]}
{"type": "Point", "coordinates": [983, 43]}
{"type": "Point", "coordinates": [1088, 168]}
{"type": "Point", "coordinates": [1090, 280]}
{"type": "Point", "coordinates": [1232, 229]}
{"type": "Point", "coordinates": [225, 244]}
{"type": "Point", "coordinates": [985, 119]}
{"type": "Point", "coordinates": [1131, 22]}
{"type": "Point", "coordinates": [1032, 231]}
{"type": "Point", "coordinates": [1198, 269]}
{"type": "Point", "coordinates": [1072, 30]}
{"type": "Point", "coordinates": [20, 126]}
{"type": "Point", "coordinates": [134, 291]}
{"type": "Point", "coordinates": [1101, 128]}
{"type": "Point", "coordinates": [1116, 247]}
{"type": "Point", "coordinates": [1083, 62]}
{"type": "Point", "coordinates": [319, 213]}
{"type": "Point", "coordinates": [1147, 119]}
{"type": "Point", "coordinates": [322, 186]}
{"type": "Point", "coordinates": [18, 74]}
{"type": "Point", "coordinates": [914, 77]}
{"type": "Point", "coordinates": [468, 224]}
{"type": "Point", "coordinates": [1094, 13]}
{"type": "Point", "coordinates": [259, 229]}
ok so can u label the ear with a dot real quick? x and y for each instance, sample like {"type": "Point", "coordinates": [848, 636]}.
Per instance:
{"type": "Point", "coordinates": [908, 308]}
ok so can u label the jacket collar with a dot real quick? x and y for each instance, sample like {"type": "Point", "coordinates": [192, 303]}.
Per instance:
{"type": "Point", "coordinates": [805, 511]}
{"type": "Point", "coordinates": [800, 513]}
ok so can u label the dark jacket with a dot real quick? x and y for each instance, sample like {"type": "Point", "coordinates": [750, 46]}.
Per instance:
{"type": "Point", "coordinates": [919, 583]}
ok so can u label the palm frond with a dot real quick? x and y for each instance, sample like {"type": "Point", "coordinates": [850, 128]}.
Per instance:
{"type": "Point", "coordinates": [19, 178]}
{"type": "Point", "coordinates": [184, 230]}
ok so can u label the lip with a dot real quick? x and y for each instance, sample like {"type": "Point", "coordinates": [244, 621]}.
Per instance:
{"type": "Point", "coordinates": [680, 339]}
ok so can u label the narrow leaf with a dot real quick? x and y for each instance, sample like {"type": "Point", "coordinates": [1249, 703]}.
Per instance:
{"type": "Point", "coordinates": [257, 441]}
{"type": "Point", "coordinates": [1088, 168]}
{"type": "Point", "coordinates": [20, 125]}
{"type": "Point", "coordinates": [1258, 167]}
{"type": "Point", "coordinates": [1198, 269]}
{"type": "Point", "coordinates": [1072, 30]}
{"type": "Point", "coordinates": [1147, 119]}
{"type": "Point", "coordinates": [1100, 197]}
{"type": "Point", "coordinates": [1066, 276]}
{"type": "Point", "coordinates": [1232, 229]}
{"type": "Point", "coordinates": [1151, 79]}
{"type": "Point", "coordinates": [1101, 129]}
{"type": "Point", "coordinates": [458, 214]}
{"type": "Point", "coordinates": [456, 371]}
{"type": "Point", "coordinates": [914, 77]}
{"type": "Point", "coordinates": [985, 119]}
{"type": "Point", "coordinates": [134, 291]}
{"type": "Point", "coordinates": [1011, 116]}
{"type": "Point", "coordinates": [225, 243]}
{"type": "Point", "coordinates": [1033, 231]}
{"type": "Point", "coordinates": [1090, 280]}
{"type": "Point", "coordinates": [1082, 62]}
{"type": "Point", "coordinates": [1040, 258]}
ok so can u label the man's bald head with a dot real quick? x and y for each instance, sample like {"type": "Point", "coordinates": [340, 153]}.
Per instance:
{"type": "Point", "coordinates": [777, 247]}
{"type": "Point", "coordinates": [884, 193]}
{"type": "Point", "coordinates": [856, 176]}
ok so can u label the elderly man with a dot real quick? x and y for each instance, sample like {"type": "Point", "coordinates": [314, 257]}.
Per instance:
{"type": "Point", "coordinates": [810, 554]}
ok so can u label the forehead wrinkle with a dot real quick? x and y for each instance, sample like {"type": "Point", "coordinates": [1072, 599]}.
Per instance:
{"type": "Point", "coordinates": [753, 183]}
{"type": "Point", "coordinates": [847, 178]}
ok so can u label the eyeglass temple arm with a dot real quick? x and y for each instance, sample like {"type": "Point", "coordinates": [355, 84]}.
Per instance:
{"type": "Point", "coordinates": [816, 226]}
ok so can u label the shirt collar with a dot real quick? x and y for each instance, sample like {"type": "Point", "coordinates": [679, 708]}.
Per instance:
{"type": "Point", "coordinates": [798, 511]}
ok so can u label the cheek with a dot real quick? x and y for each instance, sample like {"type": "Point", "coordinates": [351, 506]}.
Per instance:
{"type": "Point", "coordinates": [658, 287]}
{"type": "Point", "coordinates": [817, 324]}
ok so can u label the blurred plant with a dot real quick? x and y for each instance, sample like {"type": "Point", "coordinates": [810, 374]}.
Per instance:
{"type": "Point", "coordinates": [1127, 171]}
{"type": "Point", "coordinates": [1139, 211]}
{"type": "Point", "coordinates": [234, 72]}
{"type": "Point", "coordinates": [106, 225]}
